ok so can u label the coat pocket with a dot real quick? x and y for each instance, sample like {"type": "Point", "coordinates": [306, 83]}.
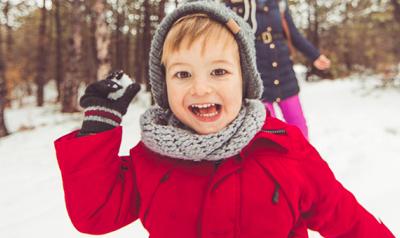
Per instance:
{"type": "Point", "coordinates": [148, 211]}
{"type": "Point", "coordinates": [285, 189]}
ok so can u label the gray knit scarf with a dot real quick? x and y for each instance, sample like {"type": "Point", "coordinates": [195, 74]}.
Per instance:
{"type": "Point", "coordinates": [163, 133]}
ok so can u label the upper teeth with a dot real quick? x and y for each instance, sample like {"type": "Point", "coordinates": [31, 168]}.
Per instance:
{"type": "Point", "coordinates": [204, 105]}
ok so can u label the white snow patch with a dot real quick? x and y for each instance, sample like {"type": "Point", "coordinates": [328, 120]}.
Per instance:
{"type": "Point", "coordinates": [124, 82]}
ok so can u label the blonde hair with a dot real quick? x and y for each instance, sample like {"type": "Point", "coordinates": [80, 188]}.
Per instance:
{"type": "Point", "coordinates": [192, 27]}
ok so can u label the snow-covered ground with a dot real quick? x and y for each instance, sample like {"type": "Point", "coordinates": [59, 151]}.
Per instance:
{"type": "Point", "coordinates": [356, 129]}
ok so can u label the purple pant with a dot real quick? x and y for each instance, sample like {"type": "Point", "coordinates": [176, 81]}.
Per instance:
{"type": "Point", "coordinates": [292, 112]}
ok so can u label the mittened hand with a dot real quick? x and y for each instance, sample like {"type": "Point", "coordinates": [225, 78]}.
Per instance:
{"type": "Point", "coordinates": [106, 101]}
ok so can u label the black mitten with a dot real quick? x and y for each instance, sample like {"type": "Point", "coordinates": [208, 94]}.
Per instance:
{"type": "Point", "coordinates": [106, 101]}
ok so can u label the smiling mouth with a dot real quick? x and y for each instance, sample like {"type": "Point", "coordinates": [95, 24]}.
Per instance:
{"type": "Point", "coordinates": [206, 111]}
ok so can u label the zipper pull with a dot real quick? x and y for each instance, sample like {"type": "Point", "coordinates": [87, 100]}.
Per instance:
{"type": "Point", "coordinates": [275, 196]}
{"type": "Point", "coordinates": [217, 164]}
{"type": "Point", "coordinates": [165, 177]}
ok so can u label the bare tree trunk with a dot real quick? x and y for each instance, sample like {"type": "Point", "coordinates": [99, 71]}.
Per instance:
{"type": "Point", "coordinates": [127, 51]}
{"type": "Point", "coordinates": [315, 39]}
{"type": "Point", "coordinates": [59, 53]}
{"type": "Point", "coordinates": [138, 63]}
{"type": "Point", "coordinates": [313, 24]}
{"type": "Point", "coordinates": [118, 37]}
{"type": "Point", "coordinates": [310, 32]}
{"type": "Point", "coordinates": [7, 56]}
{"type": "Point", "coordinates": [91, 71]}
{"type": "Point", "coordinates": [3, 128]}
{"type": "Point", "coordinates": [396, 12]}
{"type": "Point", "coordinates": [10, 41]}
{"type": "Point", "coordinates": [146, 43]}
{"type": "Point", "coordinates": [69, 100]}
{"type": "Point", "coordinates": [102, 36]}
{"type": "Point", "coordinates": [3, 91]}
{"type": "Point", "coordinates": [161, 10]}
{"type": "Point", "coordinates": [347, 54]}
{"type": "Point", "coordinates": [41, 58]}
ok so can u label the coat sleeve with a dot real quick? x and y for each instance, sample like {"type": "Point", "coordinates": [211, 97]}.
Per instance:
{"type": "Point", "coordinates": [99, 186]}
{"type": "Point", "coordinates": [301, 43]}
{"type": "Point", "coordinates": [330, 209]}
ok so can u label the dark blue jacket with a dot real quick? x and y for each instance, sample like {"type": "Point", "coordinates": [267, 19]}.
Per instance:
{"type": "Point", "coordinates": [273, 55]}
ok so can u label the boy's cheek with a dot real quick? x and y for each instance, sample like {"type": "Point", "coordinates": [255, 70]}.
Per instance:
{"type": "Point", "coordinates": [172, 88]}
{"type": "Point", "coordinates": [233, 89]}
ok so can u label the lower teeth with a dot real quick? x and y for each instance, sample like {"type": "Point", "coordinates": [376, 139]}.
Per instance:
{"type": "Point", "coordinates": [208, 115]}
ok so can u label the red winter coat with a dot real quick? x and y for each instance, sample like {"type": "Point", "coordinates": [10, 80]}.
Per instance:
{"type": "Point", "coordinates": [275, 185]}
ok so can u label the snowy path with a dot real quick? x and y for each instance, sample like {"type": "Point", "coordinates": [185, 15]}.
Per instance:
{"type": "Point", "coordinates": [358, 133]}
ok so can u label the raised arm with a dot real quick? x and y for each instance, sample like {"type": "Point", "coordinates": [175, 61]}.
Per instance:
{"type": "Point", "coordinates": [99, 186]}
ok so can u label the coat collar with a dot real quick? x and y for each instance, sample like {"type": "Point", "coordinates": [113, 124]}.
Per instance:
{"type": "Point", "coordinates": [274, 133]}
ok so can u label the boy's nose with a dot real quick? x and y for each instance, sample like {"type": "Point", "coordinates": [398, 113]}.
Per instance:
{"type": "Point", "coordinates": [200, 88]}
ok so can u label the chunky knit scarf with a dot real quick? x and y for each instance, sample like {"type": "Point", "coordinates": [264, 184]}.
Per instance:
{"type": "Point", "coordinates": [163, 133]}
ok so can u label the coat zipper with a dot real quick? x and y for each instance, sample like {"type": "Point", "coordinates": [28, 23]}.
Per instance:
{"type": "Point", "coordinates": [276, 131]}
{"type": "Point", "coordinates": [275, 196]}
{"type": "Point", "coordinates": [238, 202]}
{"type": "Point", "coordinates": [216, 165]}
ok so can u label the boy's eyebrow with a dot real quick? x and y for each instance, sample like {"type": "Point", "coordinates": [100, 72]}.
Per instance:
{"type": "Point", "coordinates": [176, 64]}
{"type": "Point", "coordinates": [222, 61]}
{"type": "Point", "coordinates": [212, 62]}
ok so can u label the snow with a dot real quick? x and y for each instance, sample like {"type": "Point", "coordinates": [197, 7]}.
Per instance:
{"type": "Point", "coordinates": [355, 127]}
{"type": "Point", "coordinates": [124, 82]}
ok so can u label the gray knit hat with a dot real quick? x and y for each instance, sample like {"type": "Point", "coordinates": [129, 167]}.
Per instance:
{"type": "Point", "coordinates": [243, 34]}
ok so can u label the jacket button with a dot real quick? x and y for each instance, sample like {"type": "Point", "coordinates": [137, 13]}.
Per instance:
{"type": "Point", "coordinates": [276, 82]}
{"type": "Point", "coordinates": [272, 46]}
{"type": "Point", "coordinates": [277, 99]}
{"type": "Point", "coordinates": [164, 178]}
{"type": "Point", "coordinates": [269, 29]}
{"type": "Point", "coordinates": [240, 10]}
{"type": "Point", "coordinates": [266, 9]}
{"type": "Point", "coordinates": [274, 64]}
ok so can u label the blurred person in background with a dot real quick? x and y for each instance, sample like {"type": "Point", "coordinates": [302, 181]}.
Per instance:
{"type": "Point", "coordinates": [276, 39]}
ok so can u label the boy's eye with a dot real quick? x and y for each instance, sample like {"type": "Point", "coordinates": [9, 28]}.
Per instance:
{"type": "Point", "coordinates": [219, 72]}
{"type": "Point", "coordinates": [182, 74]}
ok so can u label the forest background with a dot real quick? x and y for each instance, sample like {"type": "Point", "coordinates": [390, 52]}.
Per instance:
{"type": "Point", "coordinates": [73, 42]}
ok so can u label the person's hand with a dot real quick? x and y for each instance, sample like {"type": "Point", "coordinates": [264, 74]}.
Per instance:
{"type": "Point", "coordinates": [322, 63]}
{"type": "Point", "coordinates": [106, 101]}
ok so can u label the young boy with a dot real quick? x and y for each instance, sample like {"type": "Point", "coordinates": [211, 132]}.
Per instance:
{"type": "Point", "coordinates": [211, 162]}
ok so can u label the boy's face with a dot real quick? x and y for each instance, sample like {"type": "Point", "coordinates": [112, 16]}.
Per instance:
{"type": "Point", "coordinates": [205, 88]}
